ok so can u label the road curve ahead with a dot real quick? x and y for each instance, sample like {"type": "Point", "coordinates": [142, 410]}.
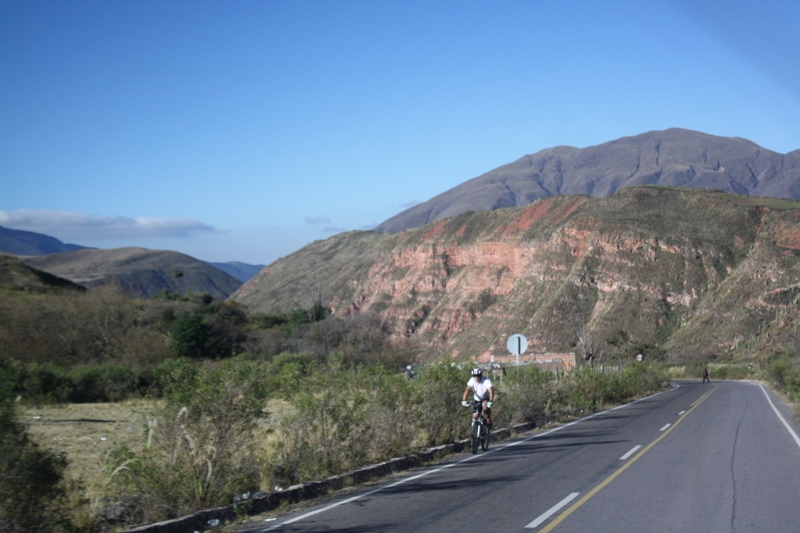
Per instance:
{"type": "Point", "coordinates": [719, 457]}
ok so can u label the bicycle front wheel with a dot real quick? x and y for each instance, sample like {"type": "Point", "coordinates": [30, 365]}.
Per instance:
{"type": "Point", "coordinates": [474, 438]}
{"type": "Point", "coordinates": [485, 439]}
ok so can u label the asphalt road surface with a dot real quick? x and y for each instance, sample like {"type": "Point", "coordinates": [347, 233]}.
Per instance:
{"type": "Point", "coordinates": [719, 457]}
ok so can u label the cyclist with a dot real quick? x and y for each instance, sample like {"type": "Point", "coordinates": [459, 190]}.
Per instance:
{"type": "Point", "coordinates": [482, 391]}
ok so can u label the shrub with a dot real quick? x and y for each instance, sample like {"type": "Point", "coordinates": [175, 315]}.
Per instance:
{"type": "Point", "coordinates": [437, 396]}
{"type": "Point", "coordinates": [287, 372]}
{"type": "Point", "coordinates": [12, 378]}
{"type": "Point", "coordinates": [782, 369]}
{"type": "Point", "coordinates": [523, 395]}
{"type": "Point", "coordinates": [199, 451]}
{"type": "Point", "coordinates": [360, 415]}
{"type": "Point", "coordinates": [48, 383]}
{"type": "Point", "coordinates": [102, 383]}
{"type": "Point", "coordinates": [325, 435]}
{"type": "Point", "coordinates": [587, 389]}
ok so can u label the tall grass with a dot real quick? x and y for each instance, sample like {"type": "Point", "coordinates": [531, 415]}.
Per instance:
{"type": "Point", "coordinates": [200, 448]}
{"type": "Point", "coordinates": [358, 416]}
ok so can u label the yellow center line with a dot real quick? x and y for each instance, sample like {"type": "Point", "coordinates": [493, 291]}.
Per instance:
{"type": "Point", "coordinates": [704, 396]}
{"type": "Point", "coordinates": [556, 521]}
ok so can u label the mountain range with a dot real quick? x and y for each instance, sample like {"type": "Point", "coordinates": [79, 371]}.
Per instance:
{"type": "Point", "coordinates": [138, 271]}
{"type": "Point", "coordinates": [18, 242]}
{"type": "Point", "coordinates": [141, 272]}
{"type": "Point", "coordinates": [674, 157]}
{"type": "Point", "coordinates": [668, 242]}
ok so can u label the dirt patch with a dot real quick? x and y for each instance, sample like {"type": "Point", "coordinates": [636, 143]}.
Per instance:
{"type": "Point", "coordinates": [435, 231]}
{"type": "Point", "coordinates": [790, 239]}
{"type": "Point", "coordinates": [529, 216]}
{"type": "Point", "coordinates": [566, 210]}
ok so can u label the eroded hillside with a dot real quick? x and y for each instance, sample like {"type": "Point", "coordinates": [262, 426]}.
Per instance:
{"type": "Point", "coordinates": [664, 270]}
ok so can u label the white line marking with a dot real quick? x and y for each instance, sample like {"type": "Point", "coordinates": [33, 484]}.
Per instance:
{"type": "Point", "coordinates": [679, 414]}
{"type": "Point", "coordinates": [665, 427]}
{"type": "Point", "coordinates": [370, 493]}
{"type": "Point", "coordinates": [552, 511]}
{"type": "Point", "coordinates": [633, 451]}
{"type": "Point", "coordinates": [791, 431]}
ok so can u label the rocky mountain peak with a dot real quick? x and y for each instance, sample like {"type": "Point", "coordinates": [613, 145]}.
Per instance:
{"type": "Point", "coordinates": [674, 157]}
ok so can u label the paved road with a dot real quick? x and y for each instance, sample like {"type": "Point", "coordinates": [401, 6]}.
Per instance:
{"type": "Point", "coordinates": [720, 457]}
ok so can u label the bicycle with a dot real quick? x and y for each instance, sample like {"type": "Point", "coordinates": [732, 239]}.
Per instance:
{"type": "Point", "coordinates": [479, 430]}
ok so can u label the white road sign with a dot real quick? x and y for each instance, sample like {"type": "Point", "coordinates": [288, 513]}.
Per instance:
{"type": "Point", "coordinates": [517, 344]}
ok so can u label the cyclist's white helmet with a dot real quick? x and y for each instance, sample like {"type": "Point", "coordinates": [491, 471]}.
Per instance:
{"type": "Point", "coordinates": [477, 372]}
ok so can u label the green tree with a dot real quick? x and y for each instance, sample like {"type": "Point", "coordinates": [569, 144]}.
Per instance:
{"type": "Point", "coordinates": [189, 336]}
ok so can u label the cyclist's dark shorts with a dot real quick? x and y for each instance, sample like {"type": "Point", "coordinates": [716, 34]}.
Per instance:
{"type": "Point", "coordinates": [476, 404]}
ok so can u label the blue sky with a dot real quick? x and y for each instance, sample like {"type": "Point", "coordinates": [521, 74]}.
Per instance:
{"type": "Point", "coordinates": [245, 130]}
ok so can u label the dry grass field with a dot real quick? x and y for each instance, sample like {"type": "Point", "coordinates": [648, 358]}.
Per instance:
{"type": "Point", "coordinates": [86, 432]}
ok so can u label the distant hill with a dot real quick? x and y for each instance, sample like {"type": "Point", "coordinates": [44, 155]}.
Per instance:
{"type": "Point", "coordinates": [674, 157]}
{"type": "Point", "coordinates": [19, 242]}
{"type": "Point", "coordinates": [16, 276]}
{"type": "Point", "coordinates": [240, 271]}
{"type": "Point", "coordinates": [138, 271]}
{"type": "Point", "coordinates": [662, 270]}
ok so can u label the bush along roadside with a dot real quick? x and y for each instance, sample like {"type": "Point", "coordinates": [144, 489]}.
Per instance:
{"type": "Point", "coordinates": [345, 420]}
{"type": "Point", "coordinates": [364, 416]}
{"type": "Point", "coordinates": [200, 448]}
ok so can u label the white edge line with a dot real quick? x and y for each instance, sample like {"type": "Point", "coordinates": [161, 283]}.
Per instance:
{"type": "Point", "coordinates": [380, 489]}
{"type": "Point", "coordinates": [553, 510]}
{"type": "Point", "coordinates": [665, 427]}
{"type": "Point", "coordinates": [679, 414]}
{"type": "Point", "coordinates": [631, 452]}
{"type": "Point", "coordinates": [786, 424]}
{"type": "Point", "coordinates": [329, 507]}
{"type": "Point", "coordinates": [469, 458]}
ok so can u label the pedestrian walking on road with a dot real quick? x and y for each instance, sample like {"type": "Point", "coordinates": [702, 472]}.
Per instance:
{"type": "Point", "coordinates": [705, 375]}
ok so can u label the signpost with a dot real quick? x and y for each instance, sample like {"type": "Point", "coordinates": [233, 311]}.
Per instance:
{"type": "Point", "coordinates": [517, 344]}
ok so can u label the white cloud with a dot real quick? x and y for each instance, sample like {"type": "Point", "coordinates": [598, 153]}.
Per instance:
{"type": "Point", "coordinates": [79, 226]}
{"type": "Point", "coordinates": [310, 220]}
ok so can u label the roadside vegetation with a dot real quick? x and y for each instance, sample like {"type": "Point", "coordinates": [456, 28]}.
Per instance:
{"type": "Point", "coordinates": [230, 403]}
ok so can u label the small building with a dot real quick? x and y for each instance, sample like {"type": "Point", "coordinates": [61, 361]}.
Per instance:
{"type": "Point", "coordinates": [547, 361]}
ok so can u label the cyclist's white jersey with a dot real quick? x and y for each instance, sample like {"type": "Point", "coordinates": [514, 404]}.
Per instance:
{"type": "Point", "coordinates": [480, 390]}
